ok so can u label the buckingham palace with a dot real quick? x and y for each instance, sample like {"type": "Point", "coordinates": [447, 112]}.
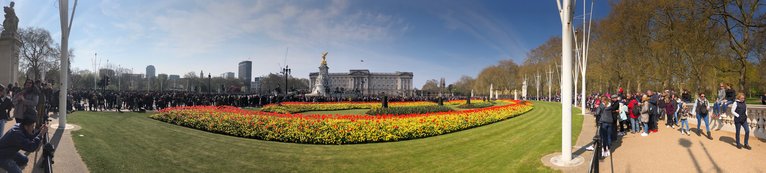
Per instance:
{"type": "Point", "coordinates": [366, 83]}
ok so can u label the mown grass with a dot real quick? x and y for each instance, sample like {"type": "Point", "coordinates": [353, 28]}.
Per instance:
{"type": "Point", "coordinates": [132, 142]}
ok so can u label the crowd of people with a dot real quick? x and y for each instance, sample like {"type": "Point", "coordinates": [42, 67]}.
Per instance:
{"type": "Point", "coordinates": [638, 113]}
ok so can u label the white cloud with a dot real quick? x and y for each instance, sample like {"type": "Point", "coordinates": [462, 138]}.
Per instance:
{"type": "Point", "coordinates": [209, 25]}
{"type": "Point", "coordinates": [473, 19]}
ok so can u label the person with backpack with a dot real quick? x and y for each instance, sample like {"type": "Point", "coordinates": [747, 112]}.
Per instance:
{"type": "Point", "coordinates": [700, 108]}
{"type": "Point", "coordinates": [634, 110]}
{"type": "Point", "coordinates": [623, 117]}
{"type": "Point", "coordinates": [739, 111]}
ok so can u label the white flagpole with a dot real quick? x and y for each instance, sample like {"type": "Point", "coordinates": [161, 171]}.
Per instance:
{"type": "Point", "coordinates": [565, 11]}
{"type": "Point", "coordinates": [66, 26]}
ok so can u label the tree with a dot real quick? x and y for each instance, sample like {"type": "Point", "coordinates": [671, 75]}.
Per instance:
{"type": "Point", "coordinates": [743, 21]}
{"type": "Point", "coordinates": [463, 86]}
{"type": "Point", "coordinates": [37, 51]}
{"type": "Point", "coordinates": [431, 86]}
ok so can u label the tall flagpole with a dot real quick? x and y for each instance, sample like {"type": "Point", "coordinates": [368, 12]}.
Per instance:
{"type": "Point", "coordinates": [565, 11]}
{"type": "Point", "coordinates": [584, 59]}
{"type": "Point", "coordinates": [66, 26]}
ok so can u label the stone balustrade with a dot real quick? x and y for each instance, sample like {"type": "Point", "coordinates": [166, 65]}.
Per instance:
{"type": "Point", "coordinates": [756, 121]}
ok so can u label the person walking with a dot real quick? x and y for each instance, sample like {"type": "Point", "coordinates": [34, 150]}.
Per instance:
{"type": "Point", "coordinates": [763, 99]}
{"type": "Point", "coordinates": [701, 108]}
{"type": "Point", "coordinates": [683, 114]}
{"type": "Point", "coordinates": [739, 111]}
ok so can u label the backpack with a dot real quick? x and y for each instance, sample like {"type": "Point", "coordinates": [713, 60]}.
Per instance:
{"type": "Point", "coordinates": [702, 107]}
{"type": "Point", "coordinates": [637, 109]}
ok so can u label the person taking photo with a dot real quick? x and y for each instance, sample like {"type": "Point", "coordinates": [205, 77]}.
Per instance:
{"type": "Point", "coordinates": [22, 136]}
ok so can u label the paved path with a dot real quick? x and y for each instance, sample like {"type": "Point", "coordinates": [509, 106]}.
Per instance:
{"type": "Point", "coordinates": [66, 157]}
{"type": "Point", "coordinates": [669, 151]}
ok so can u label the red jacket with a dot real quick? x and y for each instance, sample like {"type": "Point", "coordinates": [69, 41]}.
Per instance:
{"type": "Point", "coordinates": [633, 104]}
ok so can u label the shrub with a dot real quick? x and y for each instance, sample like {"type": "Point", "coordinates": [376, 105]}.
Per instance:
{"type": "Point", "coordinates": [476, 105]}
{"type": "Point", "coordinates": [407, 110]}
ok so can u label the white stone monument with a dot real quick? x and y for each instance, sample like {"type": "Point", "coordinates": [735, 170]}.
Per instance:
{"type": "Point", "coordinates": [490, 90]}
{"type": "Point", "coordinates": [321, 80]}
{"type": "Point", "coordinates": [9, 47]}
{"type": "Point", "coordinates": [524, 89]}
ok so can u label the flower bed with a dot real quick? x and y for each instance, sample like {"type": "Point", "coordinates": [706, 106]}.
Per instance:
{"type": "Point", "coordinates": [297, 107]}
{"type": "Point", "coordinates": [334, 129]}
{"type": "Point", "coordinates": [408, 110]}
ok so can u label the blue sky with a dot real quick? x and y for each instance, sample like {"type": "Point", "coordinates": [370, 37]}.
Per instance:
{"type": "Point", "coordinates": [432, 38]}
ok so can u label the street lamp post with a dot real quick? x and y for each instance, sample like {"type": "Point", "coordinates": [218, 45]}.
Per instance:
{"type": "Point", "coordinates": [286, 71]}
{"type": "Point", "coordinates": [209, 87]}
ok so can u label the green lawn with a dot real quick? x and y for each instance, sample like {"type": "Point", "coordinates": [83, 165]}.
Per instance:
{"type": "Point", "coordinates": [131, 142]}
{"type": "Point", "coordinates": [756, 101]}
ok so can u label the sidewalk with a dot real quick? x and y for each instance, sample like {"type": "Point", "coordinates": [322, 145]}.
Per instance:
{"type": "Point", "coordinates": [66, 158]}
{"type": "Point", "coordinates": [669, 151]}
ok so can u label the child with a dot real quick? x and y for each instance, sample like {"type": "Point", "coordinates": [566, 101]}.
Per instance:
{"type": "Point", "coordinates": [684, 114]}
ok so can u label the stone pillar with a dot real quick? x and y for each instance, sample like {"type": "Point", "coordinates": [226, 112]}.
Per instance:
{"type": "Point", "coordinates": [9, 60]}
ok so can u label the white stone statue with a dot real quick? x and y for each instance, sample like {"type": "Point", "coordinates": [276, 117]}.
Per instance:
{"type": "Point", "coordinates": [524, 89]}
{"type": "Point", "coordinates": [11, 22]}
{"type": "Point", "coordinates": [324, 58]}
{"type": "Point", "coordinates": [490, 90]}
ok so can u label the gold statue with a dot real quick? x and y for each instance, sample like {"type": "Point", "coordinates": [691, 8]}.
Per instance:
{"type": "Point", "coordinates": [324, 58]}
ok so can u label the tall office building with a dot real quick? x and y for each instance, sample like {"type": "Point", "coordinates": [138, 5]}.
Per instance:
{"type": "Point", "coordinates": [246, 73]}
{"type": "Point", "coordinates": [150, 72]}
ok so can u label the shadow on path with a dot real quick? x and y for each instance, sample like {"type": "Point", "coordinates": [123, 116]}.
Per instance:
{"type": "Point", "coordinates": [727, 140]}
{"type": "Point", "coordinates": [687, 144]}
{"type": "Point", "coordinates": [717, 169]}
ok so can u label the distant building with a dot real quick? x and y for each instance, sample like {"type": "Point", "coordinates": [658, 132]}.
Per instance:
{"type": "Point", "coordinates": [228, 75]}
{"type": "Point", "coordinates": [106, 72]}
{"type": "Point", "coordinates": [150, 71]}
{"type": "Point", "coordinates": [173, 80]}
{"type": "Point", "coordinates": [163, 81]}
{"type": "Point", "coordinates": [246, 74]}
{"type": "Point", "coordinates": [256, 85]}
{"type": "Point", "coordinates": [132, 80]}
{"type": "Point", "coordinates": [366, 83]}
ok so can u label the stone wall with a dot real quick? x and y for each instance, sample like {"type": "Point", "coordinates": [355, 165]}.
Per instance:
{"type": "Point", "coordinates": [756, 121]}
